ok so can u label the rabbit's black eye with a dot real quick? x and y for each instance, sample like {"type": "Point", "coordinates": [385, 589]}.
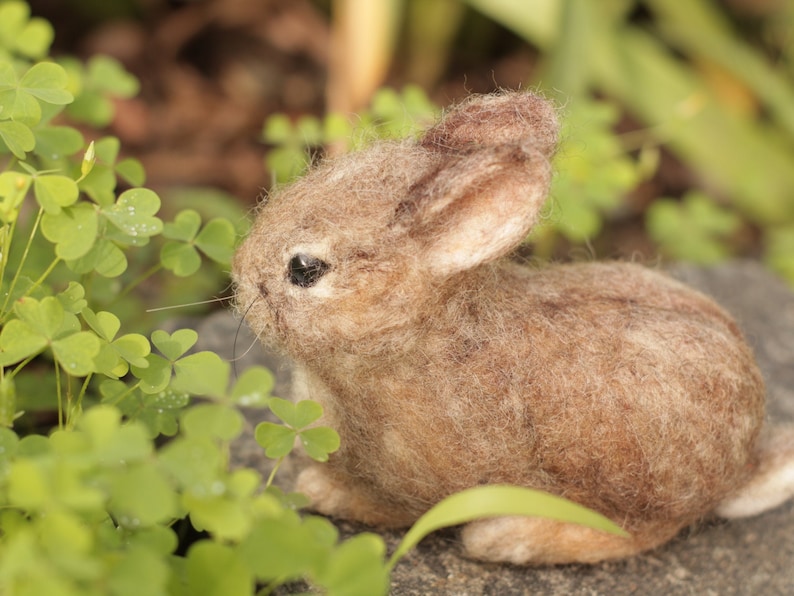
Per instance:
{"type": "Point", "coordinates": [306, 270]}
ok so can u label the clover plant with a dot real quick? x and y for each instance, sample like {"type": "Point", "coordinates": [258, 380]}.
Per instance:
{"type": "Point", "coordinates": [105, 450]}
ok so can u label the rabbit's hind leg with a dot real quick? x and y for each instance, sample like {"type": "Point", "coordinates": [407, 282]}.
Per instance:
{"type": "Point", "coordinates": [336, 498]}
{"type": "Point", "coordinates": [542, 541]}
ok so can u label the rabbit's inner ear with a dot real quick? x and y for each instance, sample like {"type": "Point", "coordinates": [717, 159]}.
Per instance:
{"type": "Point", "coordinates": [478, 207]}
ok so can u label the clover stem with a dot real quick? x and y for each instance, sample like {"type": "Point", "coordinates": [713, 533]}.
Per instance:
{"type": "Point", "coordinates": [117, 400]}
{"type": "Point", "coordinates": [270, 478]}
{"type": "Point", "coordinates": [22, 365]}
{"type": "Point", "coordinates": [7, 232]}
{"type": "Point", "coordinates": [83, 389]}
{"type": "Point", "coordinates": [136, 282]}
{"type": "Point", "coordinates": [268, 589]}
{"type": "Point", "coordinates": [21, 266]}
{"type": "Point", "coordinates": [59, 394]}
{"type": "Point", "coordinates": [46, 274]}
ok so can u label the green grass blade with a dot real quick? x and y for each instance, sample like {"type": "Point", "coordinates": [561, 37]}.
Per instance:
{"type": "Point", "coordinates": [497, 501]}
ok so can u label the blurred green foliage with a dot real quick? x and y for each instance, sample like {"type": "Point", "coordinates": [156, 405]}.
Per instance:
{"type": "Point", "coordinates": [714, 90]}
{"type": "Point", "coordinates": [721, 102]}
{"type": "Point", "coordinates": [391, 115]}
{"type": "Point", "coordinates": [104, 450]}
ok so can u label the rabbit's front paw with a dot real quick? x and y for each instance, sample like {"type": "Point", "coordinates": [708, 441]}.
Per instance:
{"type": "Point", "coordinates": [539, 541]}
{"type": "Point", "coordinates": [333, 497]}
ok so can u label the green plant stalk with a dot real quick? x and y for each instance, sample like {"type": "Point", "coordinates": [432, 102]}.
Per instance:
{"type": "Point", "coordinates": [7, 232]}
{"type": "Point", "coordinates": [130, 390]}
{"type": "Point", "coordinates": [21, 365]}
{"type": "Point", "coordinates": [59, 394]}
{"type": "Point", "coordinates": [272, 475]}
{"type": "Point", "coordinates": [568, 67]}
{"type": "Point", "coordinates": [268, 589]}
{"type": "Point", "coordinates": [7, 400]}
{"type": "Point", "coordinates": [80, 396]}
{"type": "Point", "coordinates": [154, 269]}
{"type": "Point", "coordinates": [25, 254]}
{"type": "Point", "coordinates": [46, 274]}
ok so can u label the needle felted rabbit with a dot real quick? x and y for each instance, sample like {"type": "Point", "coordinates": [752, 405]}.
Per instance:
{"type": "Point", "coordinates": [443, 365]}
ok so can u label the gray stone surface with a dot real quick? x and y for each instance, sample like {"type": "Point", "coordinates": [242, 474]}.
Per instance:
{"type": "Point", "coordinates": [751, 556]}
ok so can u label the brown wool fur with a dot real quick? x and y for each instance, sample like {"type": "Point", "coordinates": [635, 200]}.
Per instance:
{"type": "Point", "coordinates": [444, 365]}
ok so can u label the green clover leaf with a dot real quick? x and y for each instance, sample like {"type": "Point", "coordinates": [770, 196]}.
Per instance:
{"type": "Point", "coordinates": [356, 567]}
{"type": "Point", "coordinates": [45, 317]}
{"type": "Point", "coordinates": [155, 376]}
{"type": "Point", "coordinates": [54, 192]}
{"type": "Point", "coordinates": [287, 546]}
{"type": "Point", "coordinates": [319, 442]}
{"type": "Point", "coordinates": [185, 226]}
{"type": "Point", "coordinates": [297, 415]}
{"type": "Point", "coordinates": [141, 497]}
{"type": "Point", "coordinates": [157, 412]}
{"type": "Point", "coordinates": [104, 257]}
{"type": "Point", "coordinates": [113, 442]}
{"type": "Point", "coordinates": [76, 352]}
{"type": "Point", "coordinates": [181, 259]}
{"type": "Point", "coordinates": [19, 98]}
{"type": "Point", "coordinates": [108, 362]}
{"type": "Point", "coordinates": [17, 137]}
{"type": "Point", "coordinates": [131, 170]}
{"type": "Point", "coordinates": [19, 341]}
{"type": "Point", "coordinates": [46, 81]}
{"type": "Point", "coordinates": [103, 78]}
{"type": "Point", "coordinates": [277, 439]}
{"type": "Point", "coordinates": [176, 344]}
{"type": "Point", "coordinates": [133, 213]}
{"type": "Point", "coordinates": [180, 255]}
{"type": "Point", "coordinates": [214, 421]}
{"type": "Point", "coordinates": [15, 104]}
{"type": "Point", "coordinates": [105, 324]}
{"type": "Point", "coordinates": [203, 373]}
{"type": "Point", "coordinates": [55, 142]}
{"type": "Point", "coordinates": [19, 33]}
{"type": "Point", "coordinates": [116, 353]}
{"type": "Point", "coordinates": [133, 348]}
{"type": "Point", "coordinates": [253, 387]}
{"type": "Point", "coordinates": [195, 463]}
{"type": "Point", "coordinates": [107, 75]}
{"type": "Point", "coordinates": [73, 230]}
{"type": "Point", "coordinates": [73, 298]}
{"type": "Point", "coordinates": [214, 568]}
{"type": "Point", "coordinates": [43, 323]}
{"type": "Point", "coordinates": [216, 240]}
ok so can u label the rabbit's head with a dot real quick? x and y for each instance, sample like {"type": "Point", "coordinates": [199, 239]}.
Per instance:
{"type": "Point", "coordinates": [361, 245]}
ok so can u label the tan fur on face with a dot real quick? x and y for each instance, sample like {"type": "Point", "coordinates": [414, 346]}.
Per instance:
{"type": "Point", "coordinates": [444, 366]}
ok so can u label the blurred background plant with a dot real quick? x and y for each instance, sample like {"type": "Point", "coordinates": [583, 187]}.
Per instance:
{"type": "Point", "coordinates": [659, 99]}
{"type": "Point", "coordinates": [707, 83]}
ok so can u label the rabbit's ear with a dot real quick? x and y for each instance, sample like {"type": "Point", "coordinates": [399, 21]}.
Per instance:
{"type": "Point", "coordinates": [493, 120]}
{"type": "Point", "coordinates": [476, 207]}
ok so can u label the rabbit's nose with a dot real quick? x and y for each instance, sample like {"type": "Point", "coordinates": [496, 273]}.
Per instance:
{"type": "Point", "coordinates": [263, 291]}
